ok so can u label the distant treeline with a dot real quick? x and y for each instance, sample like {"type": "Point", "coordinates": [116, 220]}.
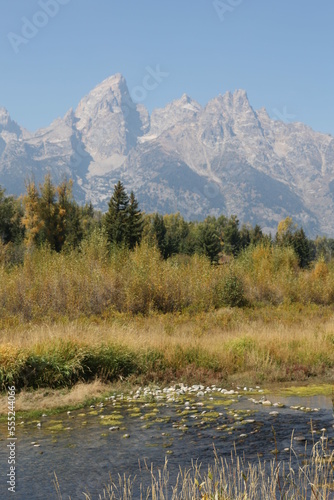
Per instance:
{"type": "Point", "coordinates": [49, 215]}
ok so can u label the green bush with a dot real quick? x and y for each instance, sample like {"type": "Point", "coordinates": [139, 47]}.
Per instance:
{"type": "Point", "coordinates": [229, 291]}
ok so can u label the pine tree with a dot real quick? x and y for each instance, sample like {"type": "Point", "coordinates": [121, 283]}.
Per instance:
{"type": "Point", "coordinates": [288, 234]}
{"type": "Point", "coordinates": [11, 229]}
{"type": "Point", "coordinates": [302, 247]}
{"type": "Point", "coordinates": [209, 242]}
{"type": "Point", "coordinates": [231, 237]}
{"type": "Point", "coordinates": [69, 226]}
{"type": "Point", "coordinates": [117, 216]}
{"type": "Point", "coordinates": [176, 232]}
{"type": "Point", "coordinates": [48, 211]}
{"type": "Point", "coordinates": [256, 234]}
{"type": "Point", "coordinates": [159, 232]}
{"type": "Point", "coordinates": [134, 224]}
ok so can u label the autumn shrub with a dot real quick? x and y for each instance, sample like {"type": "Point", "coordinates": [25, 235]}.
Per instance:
{"type": "Point", "coordinates": [99, 279]}
{"type": "Point", "coordinates": [317, 285]}
{"type": "Point", "coordinates": [269, 273]}
{"type": "Point", "coordinates": [229, 291]}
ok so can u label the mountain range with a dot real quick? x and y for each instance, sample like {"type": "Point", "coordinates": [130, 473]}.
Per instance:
{"type": "Point", "coordinates": [223, 158]}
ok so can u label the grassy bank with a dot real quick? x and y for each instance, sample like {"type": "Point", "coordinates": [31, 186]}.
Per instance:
{"type": "Point", "coordinates": [268, 344]}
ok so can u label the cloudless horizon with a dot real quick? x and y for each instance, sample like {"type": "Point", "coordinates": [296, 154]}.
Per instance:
{"type": "Point", "coordinates": [53, 52]}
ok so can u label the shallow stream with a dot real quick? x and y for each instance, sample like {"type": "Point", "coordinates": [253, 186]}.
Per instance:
{"type": "Point", "coordinates": [183, 424]}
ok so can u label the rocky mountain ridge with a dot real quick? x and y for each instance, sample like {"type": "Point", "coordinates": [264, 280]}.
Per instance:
{"type": "Point", "coordinates": [224, 157]}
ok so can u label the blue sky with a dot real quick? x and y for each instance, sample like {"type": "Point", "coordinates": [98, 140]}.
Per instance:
{"type": "Point", "coordinates": [280, 52]}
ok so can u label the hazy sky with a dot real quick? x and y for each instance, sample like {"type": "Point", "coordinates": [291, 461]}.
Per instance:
{"type": "Point", "coordinates": [53, 52]}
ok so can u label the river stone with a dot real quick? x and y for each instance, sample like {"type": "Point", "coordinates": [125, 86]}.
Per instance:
{"type": "Point", "coordinates": [299, 438]}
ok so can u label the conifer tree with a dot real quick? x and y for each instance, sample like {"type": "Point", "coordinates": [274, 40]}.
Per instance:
{"type": "Point", "coordinates": [176, 232]}
{"type": "Point", "coordinates": [209, 242]}
{"type": "Point", "coordinates": [117, 215]}
{"type": "Point", "coordinates": [256, 234]}
{"type": "Point", "coordinates": [231, 237]}
{"type": "Point", "coordinates": [69, 226]}
{"type": "Point", "coordinates": [48, 211]}
{"type": "Point", "coordinates": [302, 247]}
{"type": "Point", "coordinates": [159, 232]}
{"type": "Point", "coordinates": [11, 229]}
{"type": "Point", "coordinates": [134, 223]}
{"type": "Point", "coordinates": [288, 234]}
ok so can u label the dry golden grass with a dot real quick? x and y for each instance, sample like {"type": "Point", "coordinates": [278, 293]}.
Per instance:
{"type": "Point", "coordinates": [268, 345]}
{"type": "Point", "coordinates": [50, 399]}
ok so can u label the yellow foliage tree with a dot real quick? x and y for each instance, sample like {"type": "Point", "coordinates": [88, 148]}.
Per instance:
{"type": "Point", "coordinates": [31, 220]}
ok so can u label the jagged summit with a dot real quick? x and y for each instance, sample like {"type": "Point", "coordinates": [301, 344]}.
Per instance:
{"type": "Point", "coordinates": [7, 124]}
{"type": "Point", "coordinates": [109, 120]}
{"type": "Point", "coordinates": [224, 157]}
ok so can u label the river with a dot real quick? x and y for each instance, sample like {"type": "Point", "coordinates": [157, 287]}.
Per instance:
{"type": "Point", "coordinates": [181, 424]}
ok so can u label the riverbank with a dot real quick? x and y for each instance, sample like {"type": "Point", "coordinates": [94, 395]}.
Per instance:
{"type": "Point", "coordinates": [263, 345]}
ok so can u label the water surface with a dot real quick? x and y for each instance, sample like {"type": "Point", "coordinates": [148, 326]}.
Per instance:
{"type": "Point", "coordinates": [180, 425]}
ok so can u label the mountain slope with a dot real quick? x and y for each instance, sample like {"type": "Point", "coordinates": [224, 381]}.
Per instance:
{"type": "Point", "coordinates": [222, 158]}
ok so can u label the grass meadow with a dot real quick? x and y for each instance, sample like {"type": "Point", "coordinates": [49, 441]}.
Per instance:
{"type": "Point", "coordinates": [90, 314]}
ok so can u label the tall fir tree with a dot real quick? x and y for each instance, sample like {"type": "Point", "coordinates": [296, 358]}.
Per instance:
{"type": "Point", "coordinates": [231, 236]}
{"type": "Point", "coordinates": [159, 233]}
{"type": "Point", "coordinates": [69, 224]}
{"type": "Point", "coordinates": [302, 247]}
{"type": "Point", "coordinates": [48, 211]}
{"type": "Point", "coordinates": [208, 242]}
{"type": "Point", "coordinates": [134, 224]}
{"type": "Point", "coordinates": [11, 229]}
{"type": "Point", "coordinates": [117, 215]}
